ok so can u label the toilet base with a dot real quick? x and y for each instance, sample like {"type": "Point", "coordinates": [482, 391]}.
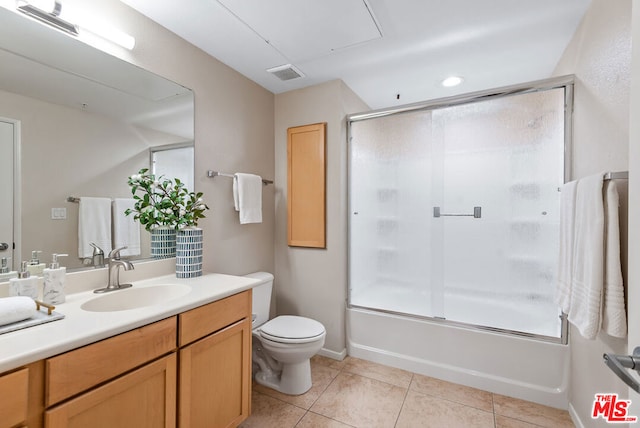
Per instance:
{"type": "Point", "coordinates": [293, 379]}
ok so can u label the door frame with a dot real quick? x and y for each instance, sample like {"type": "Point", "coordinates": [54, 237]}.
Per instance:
{"type": "Point", "coordinates": [17, 190]}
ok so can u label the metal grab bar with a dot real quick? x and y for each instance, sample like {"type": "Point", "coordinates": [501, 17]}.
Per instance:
{"type": "Point", "coordinates": [477, 213]}
{"type": "Point", "coordinates": [618, 364]}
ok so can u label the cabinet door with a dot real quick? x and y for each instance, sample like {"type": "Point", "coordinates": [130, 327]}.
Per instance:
{"type": "Point", "coordinates": [14, 389]}
{"type": "Point", "coordinates": [144, 398]}
{"type": "Point", "coordinates": [215, 379]}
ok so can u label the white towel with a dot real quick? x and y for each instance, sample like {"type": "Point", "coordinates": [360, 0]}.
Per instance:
{"type": "Point", "coordinates": [126, 232]}
{"type": "Point", "coordinates": [247, 197]}
{"type": "Point", "coordinates": [614, 318]}
{"type": "Point", "coordinates": [94, 225]}
{"type": "Point", "coordinates": [588, 257]}
{"type": "Point", "coordinates": [565, 262]}
{"type": "Point", "coordinates": [14, 309]}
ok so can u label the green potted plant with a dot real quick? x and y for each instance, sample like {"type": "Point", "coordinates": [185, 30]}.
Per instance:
{"type": "Point", "coordinates": [164, 207]}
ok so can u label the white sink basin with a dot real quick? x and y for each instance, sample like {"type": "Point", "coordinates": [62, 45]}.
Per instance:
{"type": "Point", "coordinates": [133, 298]}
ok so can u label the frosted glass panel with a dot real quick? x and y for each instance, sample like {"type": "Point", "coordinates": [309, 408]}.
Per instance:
{"type": "Point", "coordinates": [505, 155]}
{"type": "Point", "coordinates": [390, 175]}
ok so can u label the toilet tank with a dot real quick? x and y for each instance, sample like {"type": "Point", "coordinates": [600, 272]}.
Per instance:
{"type": "Point", "coordinates": [261, 299]}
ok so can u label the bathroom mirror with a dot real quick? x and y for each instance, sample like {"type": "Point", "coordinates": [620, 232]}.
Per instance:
{"type": "Point", "coordinates": [87, 120]}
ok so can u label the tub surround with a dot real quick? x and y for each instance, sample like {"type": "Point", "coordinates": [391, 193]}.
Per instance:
{"type": "Point", "coordinates": [80, 327]}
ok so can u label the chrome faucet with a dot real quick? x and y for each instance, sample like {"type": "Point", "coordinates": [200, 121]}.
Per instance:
{"type": "Point", "coordinates": [115, 263]}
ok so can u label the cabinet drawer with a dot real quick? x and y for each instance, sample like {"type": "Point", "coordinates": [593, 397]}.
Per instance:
{"type": "Point", "coordinates": [14, 390]}
{"type": "Point", "coordinates": [143, 398]}
{"type": "Point", "coordinates": [207, 319]}
{"type": "Point", "coordinates": [83, 368]}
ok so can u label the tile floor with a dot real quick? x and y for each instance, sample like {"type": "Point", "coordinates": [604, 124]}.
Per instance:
{"type": "Point", "coordinates": [359, 393]}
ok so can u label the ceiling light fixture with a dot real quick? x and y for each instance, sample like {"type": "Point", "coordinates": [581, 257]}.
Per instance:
{"type": "Point", "coordinates": [51, 18]}
{"type": "Point", "coordinates": [452, 81]}
{"type": "Point", "coordinates": [49, 11]}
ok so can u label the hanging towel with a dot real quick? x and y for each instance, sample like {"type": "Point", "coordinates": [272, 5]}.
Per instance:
{"type": "Point", "coordinates": [614, 318]}
{"type": "Point", "coordinates": [588, 257]}
{"type": "Point", "coordinates": [94, 225]}
{"type": "Point", "coordinates": [126, 232]}
{"type": "Point", "coordinates": [565, 262]}
{"type": "Point", "coordinates": [247, 197]}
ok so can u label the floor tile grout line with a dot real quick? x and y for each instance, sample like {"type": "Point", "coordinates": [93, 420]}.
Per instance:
{"type": "Point", "coordinates": [404, 400]}
{"type": "Point", "coordinates": [493, 410]}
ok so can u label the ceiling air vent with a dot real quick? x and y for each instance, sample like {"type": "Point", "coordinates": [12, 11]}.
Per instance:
{"type": "Point", "coordinates": [286, 72]}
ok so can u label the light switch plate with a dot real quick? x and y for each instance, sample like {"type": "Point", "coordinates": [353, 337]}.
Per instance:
{"type": "Point", "coordinates": [58, 213]}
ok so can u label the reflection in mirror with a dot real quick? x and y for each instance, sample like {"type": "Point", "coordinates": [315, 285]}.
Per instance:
{"type": "Point", "coordinates": [88, 120]}
{"type": "Point", "coordinates": [174, 162]}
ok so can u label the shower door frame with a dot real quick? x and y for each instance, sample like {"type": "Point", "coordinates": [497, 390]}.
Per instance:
{"type": "Point", "coordinates": [562, 82]}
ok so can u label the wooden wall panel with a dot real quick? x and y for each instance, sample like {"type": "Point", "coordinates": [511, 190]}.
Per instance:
{"type": "Point", "coordinates": [306, 181]}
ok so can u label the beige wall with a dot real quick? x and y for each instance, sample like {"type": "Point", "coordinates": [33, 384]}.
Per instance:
{"type": "Point", "coordinates": [233, 132]}
{"type": "Point", "coordinates": [599, 56]}
{"type": "Point", "coordinates": [313, 282]}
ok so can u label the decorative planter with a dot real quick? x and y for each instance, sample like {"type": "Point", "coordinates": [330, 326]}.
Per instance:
{"type": "Point", "coordinates": [163, 242]}
{"type": "Point", "coordinates": [189, 252]}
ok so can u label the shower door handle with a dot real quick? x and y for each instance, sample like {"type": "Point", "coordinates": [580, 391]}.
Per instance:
{"type": "Point", "coordinates": [477, 213]}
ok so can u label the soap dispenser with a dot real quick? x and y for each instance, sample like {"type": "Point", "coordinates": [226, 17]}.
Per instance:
{"type": "Point", "coordinates": [54, 280]}
{"type": "Point", "coordinates": [5, 272]}
{"type": "Point", "coordinates": [24, 284]}
{"type": "Point", "coordinates": [34, 267]}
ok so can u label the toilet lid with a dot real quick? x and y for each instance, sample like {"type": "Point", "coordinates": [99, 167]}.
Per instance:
{"type": "Point", "coordinates": [292, 329]}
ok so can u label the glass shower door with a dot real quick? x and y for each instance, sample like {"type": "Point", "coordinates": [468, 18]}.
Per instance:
{"type": "Point", "coordinates": [454, 211]}
{"type": "Point", "coordinates": [390, 179]}
{"type": "Point", "coordinates": [503, 156]}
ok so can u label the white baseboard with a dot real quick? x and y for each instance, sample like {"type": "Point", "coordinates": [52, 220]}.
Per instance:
{"type": "Point", "coordinates": [333, 354]}
{"type": "Point", "coordinates": [574, 417]}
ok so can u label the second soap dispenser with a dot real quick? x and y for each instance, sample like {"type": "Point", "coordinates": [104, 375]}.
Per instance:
{"type": "Point", "coordinates": [34, 267]}
{"type": "Point", "coordinates": [24, 284]}
{"type": "Point", "coordinates": [54, 280]}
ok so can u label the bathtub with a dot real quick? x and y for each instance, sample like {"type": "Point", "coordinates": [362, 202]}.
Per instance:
{"type": "Point", "coordinates": [506, 364]}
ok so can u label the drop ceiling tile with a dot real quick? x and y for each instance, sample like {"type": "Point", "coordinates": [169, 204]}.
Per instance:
{"type": "Point", "coordinates": [306, 29]}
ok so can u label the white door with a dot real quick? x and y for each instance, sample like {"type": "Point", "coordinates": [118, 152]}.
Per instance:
{"type": "Point", "coordinates": [7, 143]}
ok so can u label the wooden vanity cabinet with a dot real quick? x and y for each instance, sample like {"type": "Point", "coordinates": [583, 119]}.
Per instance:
{"type": "Point", "coordinates": [21, 397]}
{"type": "Point", "coordinates": [144, 397]}
{"type": "Point", "coordinates": [191, 370]}
{"type": "Point", "coordinates": [215, 364]}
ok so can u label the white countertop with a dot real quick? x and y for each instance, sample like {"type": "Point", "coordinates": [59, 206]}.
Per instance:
{"type": "Point", "coordinates": [81, 327]}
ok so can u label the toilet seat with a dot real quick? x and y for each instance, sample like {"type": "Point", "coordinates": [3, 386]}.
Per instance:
{"type": "Point", "coordinates": [292, 329]}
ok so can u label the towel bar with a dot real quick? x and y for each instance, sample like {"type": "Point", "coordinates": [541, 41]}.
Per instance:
{"type": "Point", "coordinates": [213, 174]}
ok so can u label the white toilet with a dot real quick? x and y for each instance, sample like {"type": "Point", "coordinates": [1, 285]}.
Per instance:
{"type": "Point", "coordinates": [283, 346]}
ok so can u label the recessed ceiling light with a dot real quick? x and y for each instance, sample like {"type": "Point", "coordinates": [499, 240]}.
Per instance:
{"type": "Point", "coordinates": [452, 81]}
